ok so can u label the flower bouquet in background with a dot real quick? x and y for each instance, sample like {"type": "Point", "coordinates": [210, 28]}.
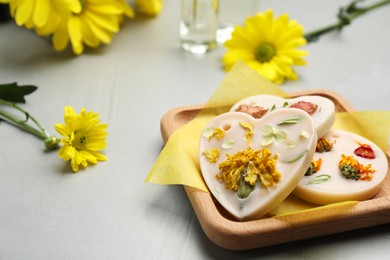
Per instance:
{"type": "Point", "coordinates": [77, 23]}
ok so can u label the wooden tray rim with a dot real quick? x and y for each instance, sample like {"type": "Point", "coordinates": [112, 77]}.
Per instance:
{"type": "Point", "coordinates": [235, 235]}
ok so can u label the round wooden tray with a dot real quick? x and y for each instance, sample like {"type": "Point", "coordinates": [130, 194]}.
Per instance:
{"type": "Point", "coordinates": [231, 234]}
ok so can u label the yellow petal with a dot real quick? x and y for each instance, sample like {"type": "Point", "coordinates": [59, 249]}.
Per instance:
{"type": "Point", "coordinates": [88, 37]}
{"type": "Point", "coordinates": [106, 9]}
{"type": "Point", "coordinates": [281, 66]}
{"type": "Point", "coordinates": [268, 71]}
{"type": "Point", "coordinates": [75, 166]}
{"type": "Point", "coordinates": [232, 56]}
{"type": "Point", "coordinates": [98, 2]}
{"type": "Point", "coordinates": [67, 152]}
{"type": "Point", "coordinates": [12, 7]}
{"type": "Point", "coordinates": [89, 157]}
{"type": "Point", "coordinates": [75, 36]}
{"type": "Point", "coordinates": [60, 38]}
{"type": "Point", "coordinates": [300, 62]}
{"type": "Point", "coordinates": [61, 129]}
{"type": "Point", "coordinates": [107, 22]}
{"type": "Point", "coordinates": [70, 118]}
{"type": "Point", "coordinates": [128, 11]}
{"type": "Point", "coordinates": [268, 20]}
{"type": "Point", "coordinates": [241, 39]}
{"type": "Point", "coordinates": [29, 24]}
{"type": "Point", "coordinates": [281, 23]}
{"type": "Point", "coordinates": [73, 5]}
{"type": "Point", "coordinates": [149, 7]}
{"type": "Point", "coordinates": [61, 152]}
{"type": "Point", "coordinates": [253, 26]}
{"type": "Point", "coordinates": [292, 76]}
{"type": "Point", "coordinates": [41, 12]}
{"type": "Point", "coordinates": [23, 12]}
{"type": "Point", "coordinates": [293, 53]}
{"type": "Point", "coordinates": [96, 146]}
{"type": "Point", "coordinates": [99, 156]}
{"type": "Point", "coordinates": [100, 33]}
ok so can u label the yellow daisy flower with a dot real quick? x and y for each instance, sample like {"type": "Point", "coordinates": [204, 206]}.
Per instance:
{"type": "Point", "coordinates": [79, 22]}
{"type": "Point", "coordinates": [149, 7]}
{"type": "Point", "coordinates": [97, 22]}
{"type": "Point", "coordinates": [37, 13]}
{"type": "Point", "coordinates": [84, 136]}
{"type": "Point", "coordinates": [267, 45]}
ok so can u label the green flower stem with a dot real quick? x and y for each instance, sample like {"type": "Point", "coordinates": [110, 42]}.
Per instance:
{"type": "Point", "coordinates": [346, 15]}
{"type": "Point", "coordinates": [51, 142]}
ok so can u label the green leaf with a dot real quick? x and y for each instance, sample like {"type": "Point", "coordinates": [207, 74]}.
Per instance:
{"type": "Point", "coordinates": [244, 188]}
{"type": "Point", "coordinates": [319, 179]}
{"type": "Point", "coordinates": [291, 144]}
{"type": "Point", "coordinates": [297, 158]}
{"type": "Point", "coordinates": [310, 170]}
{"type": "Point", "coordinates": [349, 172]}
{"type": "Point", "coordinates": [13, 93]}
{"type": "Point", "coordinates": [267, 140]}
{"type": "Point", "coordinates": [267, 130]}
{"type": "Point", "coordinates": [290, 121]}
{"type": "Point", "coordinates": [280, 135]}
{"type": "Point", "coordinates": [208, 132]}
{"type": "Point", "coordinates": [228, 144]}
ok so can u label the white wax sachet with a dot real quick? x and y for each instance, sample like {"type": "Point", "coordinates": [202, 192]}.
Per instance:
{"type": "Point", "coordinates": [251, 165]}
{"type": "Point", "coordinates": [321, 109]}
{"type": "Point", "coordinates": [353, 168]}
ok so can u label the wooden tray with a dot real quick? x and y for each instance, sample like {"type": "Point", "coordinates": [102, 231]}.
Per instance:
{"type": "Point", "coordinates": [228, 233]}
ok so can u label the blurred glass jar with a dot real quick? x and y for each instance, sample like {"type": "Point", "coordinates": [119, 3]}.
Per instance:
{"type": "Point", "coordinates": [231, 13]}
{"type": "Point", "coordinates": [198, 25]}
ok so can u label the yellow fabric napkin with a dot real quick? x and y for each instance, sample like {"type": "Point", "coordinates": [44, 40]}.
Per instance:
{"type": "Point", "coordinates": [178, 161]}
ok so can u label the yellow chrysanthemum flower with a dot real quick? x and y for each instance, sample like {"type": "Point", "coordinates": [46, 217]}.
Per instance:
{"type": "Point", "coordinates": [84, 136]}
{"type": "Point", "coordinates": [257, 164]}
{"type": "Point", "coordinates": [97, 22]}
{"type": "Point", "coordinates": [267, 45]}
{"type": "Point", "coordinates": [149, 7]}
{"type": "Point", "coordinates": [38, 13]}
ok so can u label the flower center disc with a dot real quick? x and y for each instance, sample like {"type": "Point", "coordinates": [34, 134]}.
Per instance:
{"type": "Point", "coordinates": [79, 141]}
{"type": "Point", "coordinates": [82, 2]}
{"type": "Point", "coordinates": [265, 52]}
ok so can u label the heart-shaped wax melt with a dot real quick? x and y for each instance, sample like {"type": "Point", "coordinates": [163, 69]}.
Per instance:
{"type": "Point", "coordinates": [345, 166]}
{"type": "Point", "coordinates": [321, 109]}
{"type": "Point", "coordinates": [251, 165]}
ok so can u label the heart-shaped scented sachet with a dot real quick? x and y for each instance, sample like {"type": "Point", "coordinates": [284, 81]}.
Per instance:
{"type": "Point", "coordinates": [251, 165]}
{"type": "Point", "coordinates": [321, 109]}
{"type": "Point", "coordinates": [345, 166]}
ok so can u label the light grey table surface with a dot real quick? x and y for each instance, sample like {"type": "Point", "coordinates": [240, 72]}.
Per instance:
{"type": "Point", "coordinates": [107, 211]}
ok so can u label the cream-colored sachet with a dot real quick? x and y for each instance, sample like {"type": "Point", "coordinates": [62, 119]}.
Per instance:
{"type": "Point", "coordinates": [178, 162]}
